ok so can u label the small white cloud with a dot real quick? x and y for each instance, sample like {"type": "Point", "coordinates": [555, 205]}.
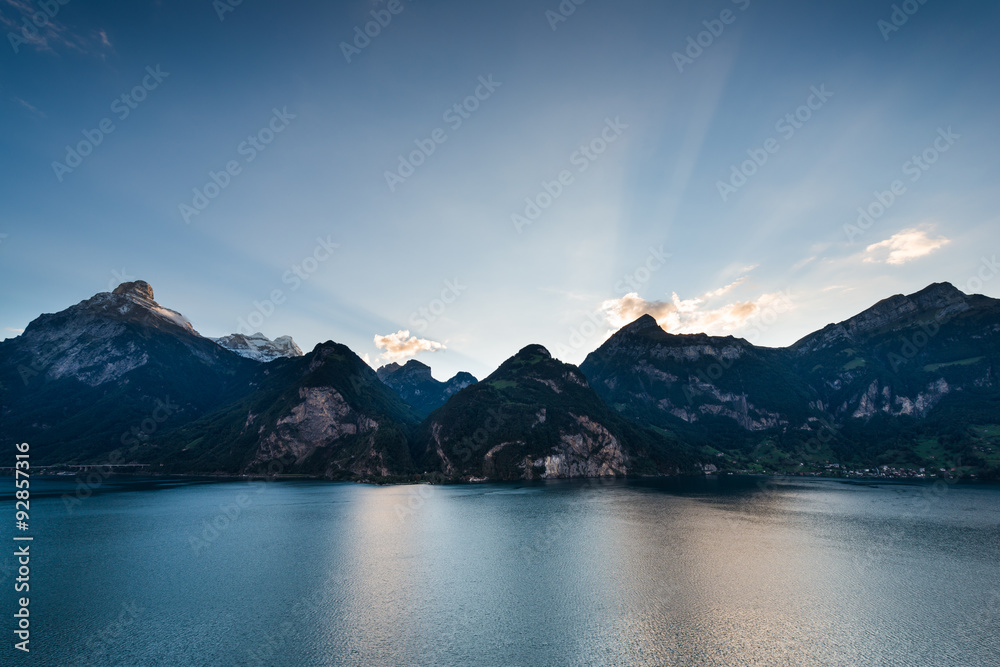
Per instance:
{"type": "Point", "coordinates": [905, 246]}
{"type": "Point", "coordinates": [17, 331]}
{"type": "Point", "coordinates": [401, 345]}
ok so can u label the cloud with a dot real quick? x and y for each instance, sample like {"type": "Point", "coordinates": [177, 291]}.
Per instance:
{"type": "Point", "coordinates": [17, 331]}
{"type": "Point", "coordinates": [728, 288]}
{"type": "Point", "coordinates": [905, 246]}
{"type": "Point", "coordinates": [697, 315]}
{"type": "Point", "coordinates": [401, 345]}
{"type": "Point", "coordinates": [30, 107]}
{"type": "Point", "coordinates": [801, 264]}
{"type": "Point", "coordinates": [24, 31]}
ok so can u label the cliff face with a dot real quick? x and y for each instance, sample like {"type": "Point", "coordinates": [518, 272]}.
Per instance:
{"type": "Point", "coordinates": [120, 377]}
{"type": "Point", "coordinates": [919, 358]}
{"type": "Point", "coordinates": [325, 413]}
{"type": "Point", "coordinates": [653, 376]}
{"type": "Point", "coordinates": [87, 381]}
{"type": "Point", "coordinates": [103, 338]}
{"type": "Point", "coordinates": [536, 417]}
{"type": "Point", "coordinates": [321, 419]}
{"type": "Point", "coordinates": [940, 301]}
{"type": "Point", "coordinates": [905, 356]}
{"type": "Point", "coordinates": [590, 451]}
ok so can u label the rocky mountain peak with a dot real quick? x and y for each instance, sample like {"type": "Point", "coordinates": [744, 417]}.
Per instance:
{"type": "Point", "coordinates": [414, 365]}
{"type": "Point", "coordinates": [411, 371]}
{"type": "Point", "coordinates": [939, 295]}
{"type": "Point", "coordinates": [939, 300]}
{"type": "Point", "coordinates": [532, 352]}
{"type": "Point", "coordinates": [641, 324]}
{"type": "Point", "coordinates": [388, 369]}
{"type": "Point", "coordinates": [139, 288]}
{"type": "Point", "coordinates": [463, 378]}
{"type": "Point", "coordinates": [414, 383]}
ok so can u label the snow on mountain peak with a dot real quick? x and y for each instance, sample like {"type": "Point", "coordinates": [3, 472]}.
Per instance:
{"type": "Point", "coordinates": [140, 293]}
{"type": "Point", "coordinates": [258, 347]}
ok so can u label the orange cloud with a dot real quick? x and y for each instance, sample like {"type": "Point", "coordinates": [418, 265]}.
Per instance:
{"type": "Point", "coordinates": [401, 345]}
{"type": "Point", "coordinates": [694, 315]}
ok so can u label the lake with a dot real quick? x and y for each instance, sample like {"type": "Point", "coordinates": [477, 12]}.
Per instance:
{"type": "Point", "coordinates": [730, 571]}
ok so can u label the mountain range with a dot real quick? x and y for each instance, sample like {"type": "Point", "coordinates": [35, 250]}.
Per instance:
{"type": "Point", "coordinates": [415, 385]}
{"type": "Point", "coordinates": [909, 387]}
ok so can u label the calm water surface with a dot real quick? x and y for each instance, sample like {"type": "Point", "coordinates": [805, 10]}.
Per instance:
{"type": "Point", "coordinates": [704, 572]}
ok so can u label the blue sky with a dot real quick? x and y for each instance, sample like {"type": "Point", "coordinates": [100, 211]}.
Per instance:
{"type": "Point", "coordinates": [643, 126]}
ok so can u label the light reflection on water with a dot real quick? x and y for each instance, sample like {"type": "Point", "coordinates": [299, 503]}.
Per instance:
{"type": "Point", "coordinates": [702, 572]}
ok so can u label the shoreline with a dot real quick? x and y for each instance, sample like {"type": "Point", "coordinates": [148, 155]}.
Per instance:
{"type": "Point", "coordinates": [433, 479]}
